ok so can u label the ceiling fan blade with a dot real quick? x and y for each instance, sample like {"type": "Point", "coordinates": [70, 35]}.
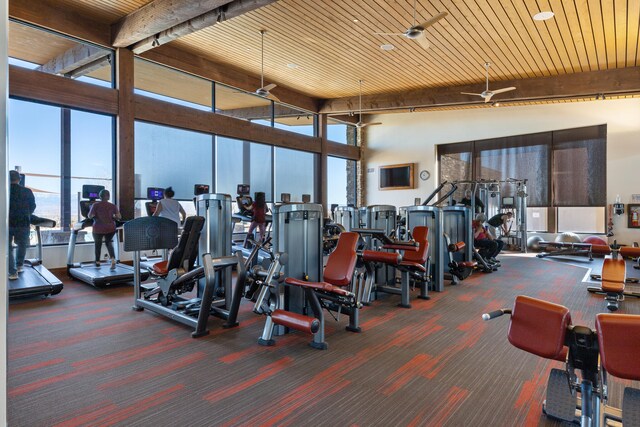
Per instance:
{"type": "Point", "coordinates": [389, 34]}
{"type": "Point", "coordinates": [432, 21]}
{"type": "Point", "coordinates": [468, 93]}
{"type": "Point", "coordinates": [374, 124]}
{"type": "Point", "coordinates": [272, 86]}
{"type": "Point", "coordinates": [506, 89]}
{"type": "Point", "coordinates": [422, 40]}
{"type": "Point", "coordinates": [273, 97]}
{"type": "Point", "coordinates": [488, 97]}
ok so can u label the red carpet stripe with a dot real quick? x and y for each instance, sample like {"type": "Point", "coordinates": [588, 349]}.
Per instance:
{"type": "Point", "coordinates": [89, 416]}
{"type": "Point", "coordinates": [70, 318]}
{"type": "Point", "coordinates": [35, 366]}
{"type": "Point", "coordinates": [263, 374]}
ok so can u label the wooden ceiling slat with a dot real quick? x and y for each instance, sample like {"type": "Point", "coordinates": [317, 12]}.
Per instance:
{"type": "Point", "coordinates": [569, 40]}
{"type": "Point", "coordinates": [506, 14]}
{"type": "Point", "coordinates": [586, 29]}
{"type": "Point", "coordinates": [621, 32]}
{"type": "Point", "coordinates": [608, 25]}
{"type": "Point", "coordinates": [494, 13]}
{"type": "Point", "coordinates": [595, 16]}
{"type": "Point", "coordinates": [633, 34]}
{"type": "Point", "coordinates": [550, 29]}
{"type": "Point", "coordinates": [500, 52]}
{"type": "Point", "coordinates": [582, 41]}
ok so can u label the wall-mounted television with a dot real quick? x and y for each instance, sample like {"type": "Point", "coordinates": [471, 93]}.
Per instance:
{"type": "Point", "coordinates": [396, 177]}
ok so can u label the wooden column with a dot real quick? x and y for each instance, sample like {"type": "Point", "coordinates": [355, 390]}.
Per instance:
{"type": "Point", "coordinates": [322, 173]}
{"type": "Point", "coordinates": [125, 176]}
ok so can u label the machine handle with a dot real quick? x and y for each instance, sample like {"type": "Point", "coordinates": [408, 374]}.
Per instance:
{"type": "Point", "coordinates": [496, 313]}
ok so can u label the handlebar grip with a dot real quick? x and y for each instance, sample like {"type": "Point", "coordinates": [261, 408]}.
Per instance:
{"type": "Point", "coordinates": [496, 313]}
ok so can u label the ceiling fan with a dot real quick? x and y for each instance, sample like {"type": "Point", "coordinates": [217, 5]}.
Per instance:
{"type": "Point", "coordinates": [417, 32]}
{"type": "Point", "coordinates": [264, 91]}
{"type": "Point", "coordinates": [487, 94]}
{"type": "Point", "coordinates": [360, 123]}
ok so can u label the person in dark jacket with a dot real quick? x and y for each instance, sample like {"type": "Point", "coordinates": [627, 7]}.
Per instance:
{"type": "Point", "coordinates": [22, 203]}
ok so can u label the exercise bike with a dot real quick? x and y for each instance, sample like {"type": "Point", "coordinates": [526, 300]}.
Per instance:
{"type": "Point", "coordinates": [544, 329]}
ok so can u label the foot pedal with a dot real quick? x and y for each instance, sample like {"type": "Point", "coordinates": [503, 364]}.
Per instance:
{"type": "Point", "coordinates": [631, 407]}
{"type": "Point", "coordinates": [560, 403]}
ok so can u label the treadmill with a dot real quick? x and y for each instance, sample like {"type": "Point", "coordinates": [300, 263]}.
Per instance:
{"type": "Point", "coordinates": [35, 279]}
{"type": "Point", "coordinates": [87, 271]}
{"type": "Point", "coordinates": [244, 215]}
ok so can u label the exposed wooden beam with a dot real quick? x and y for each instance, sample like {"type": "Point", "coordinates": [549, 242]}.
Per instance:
{"type": "Point", "coordinates": [169, 114]}
{"type": "Point", "coordinates": [125, 133]}
{"type": "Point", "coordinates": [349, 152]}
{"type": "Point", "coordinates": [345, 118]}
{"type": "Point", "coordinates": [90, 67]}
{"type": "Point", "coordinates": [74, 58]}
{"type": "Point", "coordinates": [49, 14]}
{"type": "Point", "coordinates": [222, 73]}
{"type": "Point", "coordinates": [158, 16]}
{"type": "Point", "coordinates": [263, 112]}
{"type": "Point", "coordinates": [195, 23]}
{"type": "Point", "coordinates": [619, 80]}
{"type": "Point", "coordinates": [52, 89]}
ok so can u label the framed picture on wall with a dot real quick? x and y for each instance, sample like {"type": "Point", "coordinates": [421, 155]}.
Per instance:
{"type": "Point", "coordinates": [634, 215]}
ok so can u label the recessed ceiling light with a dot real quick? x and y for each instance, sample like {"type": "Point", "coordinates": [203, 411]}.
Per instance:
{"type": "Point", "coordinates": [543, 16]}
{"type": "Point", "coordinates": [293, 66]}
{"type": "Point", "coordinates": [355, 19]}
{"type": "Point", "coordinates": [387, 47]}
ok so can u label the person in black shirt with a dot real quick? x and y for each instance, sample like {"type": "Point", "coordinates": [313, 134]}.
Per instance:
{"type": "Point", "coordinates": [467, 202]}
{"type": "Point", "coordinates": [499, 221]}
{"type": "Point", "coordinates": [21, 206]}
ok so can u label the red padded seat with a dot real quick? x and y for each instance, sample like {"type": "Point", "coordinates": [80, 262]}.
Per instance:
{"type": "Point", "coordinates": [160, 268]}
{"type": "Point", "coordinates": [630, 252]}
{"type": "Point", "coordinates": [383, 257]}
{"type": "Point", "coordinates": [613, 275]}
{"type": "Point", "coordinates": [342, 260]}
{"type": "Point", "coordinates": [539, 327]}
{"type": "Point", "coordinates": [457, 247]}
{"type": "Point", "coordinates": [420, 236]}
{"type": "Point", "coordinates": [619, 341]}
{"type": "Point", "coordinates": [600, 249]}
{"type": "Point", "coordinates": [339, 269]}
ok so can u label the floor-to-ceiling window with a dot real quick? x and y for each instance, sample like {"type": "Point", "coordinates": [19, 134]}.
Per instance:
{"type": "Point", "coordinates": [294, 174]}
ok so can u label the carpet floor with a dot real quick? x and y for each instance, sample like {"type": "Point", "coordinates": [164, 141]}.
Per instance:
{"type": "Point", "coordinates": [84, 358]}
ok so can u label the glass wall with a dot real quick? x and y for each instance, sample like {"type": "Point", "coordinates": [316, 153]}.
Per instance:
{"type": "Point", "coordinates": [167, 84]}
{"type": "Point", "coordinates": [293, 120]}
{"type": "Point", "coordinates": [337, 182]}
{"type": "Point", "coordinates": [242, 162]}
{"type": "Point", "coordinates": [294, 174]}
{"type": "Point", "coordinates": [52, 53]}
{"type": "Point", "coordinates": [169, 157]}
{"type": "Point", "coordinates": [341, 132]}
{"type": "Point", "coordinates": [37, 135]}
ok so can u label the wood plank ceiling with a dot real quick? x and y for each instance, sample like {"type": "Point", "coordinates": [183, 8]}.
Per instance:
{"type": "Point", "coordinates": [322, 48]}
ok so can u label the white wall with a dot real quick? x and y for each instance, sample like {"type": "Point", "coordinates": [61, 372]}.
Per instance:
{"type": "Point", "coordinates": [411, 137]}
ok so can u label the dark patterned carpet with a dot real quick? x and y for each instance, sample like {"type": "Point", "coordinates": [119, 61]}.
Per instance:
{"type": "Point", "coordinates": [84, 358]}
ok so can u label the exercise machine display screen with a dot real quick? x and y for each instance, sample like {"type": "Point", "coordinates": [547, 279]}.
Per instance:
{"type": "Point", "coordinates": [91, 191]}
{"type": "Point", "coordinates": [507, 201]}
{"type": "Point", "coordinates": [155, 193]}
{"type": "Point", "coordinates": [200, 189]}
{"type": "Point", "coordinates": [243, 189]}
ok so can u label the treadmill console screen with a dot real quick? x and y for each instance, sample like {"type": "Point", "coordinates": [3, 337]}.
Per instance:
{"type": "Point", "coordinates": [243, 189]}
{"type": "Point", "coordinates": [155, 193]}
{"type": "Point", "coordinates": [200, 189]}
{"type": "Point", "coordinates": [91, 191]}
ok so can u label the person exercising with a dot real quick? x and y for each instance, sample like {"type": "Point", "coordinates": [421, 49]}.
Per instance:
{"type": "Point", "coordinates": [467, 202]}
{"type": "Point", "coordinates": [500, 220]}
{"type": "Point", "coordinates": [259, 210]}
{"type": "Point", "coordinates": [488, 246]}
{"type": "Point", "coordinates": [104, 214]}
{"type": "Point", "coordinates": [22, 204]}
{"type": "Point", "coordinates": [169, 208]}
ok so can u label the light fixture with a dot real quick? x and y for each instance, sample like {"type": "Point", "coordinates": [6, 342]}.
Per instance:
{"type": "Point", "coordinates": [495, 104]}
{"type": "Point", "coordinates": [387, 47]}
{"type": "Point", "coordinates": [412, 109]}
{"type": "Point", "coordinates": [293, 66]}
{"type": "Point", "coordinates": [355, 19]}
{"type": "Point", "coordinates": [600, 96]}
{"type": "Point", "coordinates": [543, 16]}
